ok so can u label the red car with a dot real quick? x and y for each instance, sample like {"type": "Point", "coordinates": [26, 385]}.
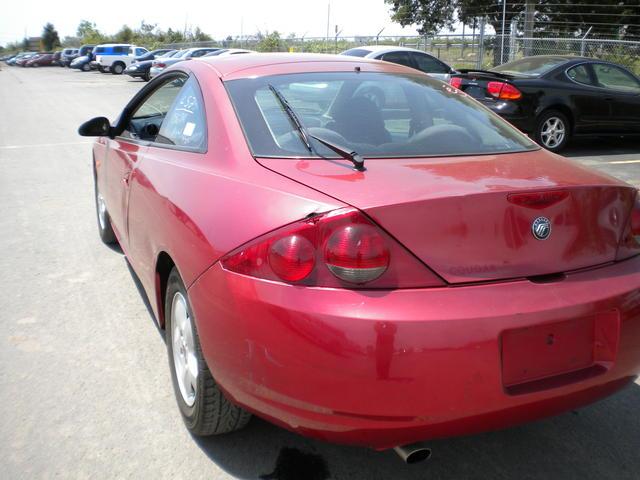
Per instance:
{"type": "Point", "coordinates": [360, 253]}
{"type": "Point", "coordinates": [40, 60]}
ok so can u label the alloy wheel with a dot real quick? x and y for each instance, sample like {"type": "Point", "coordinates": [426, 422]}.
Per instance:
{"type": "Point", "coordinates": [185, 361]}
{"type": "Point", "coordinates": [553, 132]}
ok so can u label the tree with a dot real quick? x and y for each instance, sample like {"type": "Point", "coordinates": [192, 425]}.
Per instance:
{"type": "Point", "coordinates": [431, 16]}
{"type": "Point", "coordinates": [25, 44]}
{"type": "Point", "coordinates": [50, 38]}
{"type": "Point", "coordinates": [269, 43]}
{"type": "Point", "coordinates": [88, 33]}
{"type": "Point", "coordinates": [124, 35]}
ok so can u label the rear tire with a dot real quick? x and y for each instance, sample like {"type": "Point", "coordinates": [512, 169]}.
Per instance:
{"type": "Point", "coordinates": [86, 67]}
{"type": "Point", "coordinates": [553, 130]}
{"type": "Point", "coordinates": [147, 76]}
{"type": "Point", "coordinates": [204, 408]}
{"type": "Point", "coordinates": [117, 68]}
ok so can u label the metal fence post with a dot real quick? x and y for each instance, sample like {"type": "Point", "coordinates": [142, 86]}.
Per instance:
{"type": "Point", "coordinates": [481, 44]}
{"type": "Point", "coordinates": [582, 43]}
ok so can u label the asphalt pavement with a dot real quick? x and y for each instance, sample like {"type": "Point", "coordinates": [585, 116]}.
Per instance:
{"type": "Point", "coordinates": [85, 390]}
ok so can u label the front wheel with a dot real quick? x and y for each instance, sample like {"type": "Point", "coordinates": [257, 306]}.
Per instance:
{"type": "Point", "coordinates": [86, 67]}
{"type": "Point", "coordinates": [105, 230]}
{"type": "Point", "coordinates": [204, 408]}
{"type": "Point", "coordinates": [117, 69]}
{"type": "Point", "coordinates": [553, 130]}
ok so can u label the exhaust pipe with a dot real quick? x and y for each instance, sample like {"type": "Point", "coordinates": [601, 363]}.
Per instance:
{"type": "Point", "coordinates": [413, 453]}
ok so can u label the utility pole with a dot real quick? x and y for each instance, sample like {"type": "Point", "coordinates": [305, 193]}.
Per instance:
{"type": "Point", "coordinates": [378, 34]}
{"type": "Point", "coordinates": [529, 18]}
{"type": "Point", "coordinates": [326, 38]}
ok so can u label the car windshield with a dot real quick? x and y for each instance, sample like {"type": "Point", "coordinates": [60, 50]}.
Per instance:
{"type": "Point", "coordinates": [356, 52]}
{"type": "Point", "coordinates": [530, 66]}
{"type": "Point", "coordinates": [376, 114]}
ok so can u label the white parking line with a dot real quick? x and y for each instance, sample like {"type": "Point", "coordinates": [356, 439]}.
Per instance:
{"type": "Point", "coordinates": [13, 147]}
{"type": "Point", "coordinates": [619, 162]}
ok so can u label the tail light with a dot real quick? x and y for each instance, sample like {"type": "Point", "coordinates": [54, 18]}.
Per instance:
{"type": "Point", "coordinates": [160, 64]}
{"type": "Point", "coordinates": [503, 91]}
{"type": "Point", "coordinates": [342, 248]}
{"type": "Point", "coordinates": [455, 82]}
{"type": "Point", "coordinates": [538, 200]}
{"type": "Point", "coordinates": [630, 243]}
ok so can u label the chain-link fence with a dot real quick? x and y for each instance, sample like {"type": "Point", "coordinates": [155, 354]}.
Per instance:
{"type": "Point", "coordinates": [459, 51]}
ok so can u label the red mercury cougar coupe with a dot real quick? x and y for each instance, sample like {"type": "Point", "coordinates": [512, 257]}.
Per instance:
{"type": "Point", "coordinates": [360, 253]}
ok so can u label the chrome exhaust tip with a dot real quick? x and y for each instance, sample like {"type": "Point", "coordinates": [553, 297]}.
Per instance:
{"type": "Point", "coordinates": [413, 453]}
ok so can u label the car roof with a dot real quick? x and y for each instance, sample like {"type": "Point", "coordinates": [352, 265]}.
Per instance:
{"type": "Point", "coordinates": [386, 48]}
{"type": "Point", "coordinates": [243, 66]}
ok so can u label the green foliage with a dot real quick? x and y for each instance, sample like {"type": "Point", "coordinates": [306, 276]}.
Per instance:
{"type": "Point", "coordinates": [270, 42]}
{"type": "Point", "coordinates": [50, 38]}
{"type": "Point", "coordinates": [88, 33]}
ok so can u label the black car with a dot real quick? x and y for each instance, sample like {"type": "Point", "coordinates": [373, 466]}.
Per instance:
{"type": "Point", "coordinates": [140, 66]}
{"type": "Point", "coordinates": [554, 97]}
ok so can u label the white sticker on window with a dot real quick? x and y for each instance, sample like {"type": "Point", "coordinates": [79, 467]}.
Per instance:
{"type": "Point", "coordinates": [188, 129]}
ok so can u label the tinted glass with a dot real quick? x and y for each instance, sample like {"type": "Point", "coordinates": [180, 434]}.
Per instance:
{"type": "Point", "coordinates": [99, 50]}
{"type": "Point", "coordinates": [402, 58]}
{"type": "Point", "coordinates": [533, 66]}
{"type": "Point", "coordinates": [119, 50]}
{"type": "Point", "coordinates": [580, 74]}
{"type": "Point", "coordinates": [377, 114]}
{"type": "Point", "coordinates": [428, 64]}
{"type": "Point", "coordinates": [185, 124]}
{"type": "Point", "coordinates": [147, 119]}
{"type": "Point", "coordinates": [615, 78]}
{"type": "Point", "coordinates": [356, 52]}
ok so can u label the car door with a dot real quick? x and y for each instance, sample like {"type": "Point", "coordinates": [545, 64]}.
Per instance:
{"type": "Point", "coordinates": [622, 90]}
{"type": "Point", "coordinates": [170, 165]}
{"type": "Point", "coordinates": [126, 151]}
{"type": "Point", "coordinates": [431, 65]}
{"type": "Point", "coordinates": [592, 111]}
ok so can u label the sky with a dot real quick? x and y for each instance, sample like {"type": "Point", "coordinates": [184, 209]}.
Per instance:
{"type": "Point", "coordinates": [215, 17]}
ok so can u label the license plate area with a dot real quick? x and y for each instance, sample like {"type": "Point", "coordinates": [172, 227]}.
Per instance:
{"type": "Point", "coordinates": [555, 354]}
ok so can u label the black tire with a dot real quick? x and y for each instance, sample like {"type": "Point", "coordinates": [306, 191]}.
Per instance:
{"type": "Point", "coordinates": [211, 413]}
{"type": "Point", "coordinates": [86, 67]}
{"type": "Point", "coordinates": [553, 139]}
{"type": "Point", "coordinates": [147, 76]}
{"type": "Point", "coordinates": [117, 68]}
{"type": "Point", "coordinates": [105, 230]}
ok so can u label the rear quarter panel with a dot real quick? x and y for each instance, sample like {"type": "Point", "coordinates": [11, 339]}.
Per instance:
{"type": "Point", "coordinates": [196, 207]}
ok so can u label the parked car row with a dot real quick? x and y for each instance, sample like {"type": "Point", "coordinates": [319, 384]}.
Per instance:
{"type": "Point", "coordinates": [552, 98]}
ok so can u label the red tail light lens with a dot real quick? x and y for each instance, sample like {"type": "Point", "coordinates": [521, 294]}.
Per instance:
{"type": "Point", "coordinates": [342, 248]}
{"type": "Point", "coordinates": [159, 64]}
{"type": "Point", "coordinates": [503, 91]}
{"type": "Point", "coordinates": [635, 219]}
{"type": "Point", "coordinates": [292, 258]}
{"type": "Point", "coordinates": [630, 242]}
{"type": "Point", "coordinates": [356, 254]}
{"type": "Point", "coordinates": [455, 82]}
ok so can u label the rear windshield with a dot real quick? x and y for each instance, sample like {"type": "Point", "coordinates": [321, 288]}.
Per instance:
{"type": "Point", "coordinates": [533, 66]}
{"type": "Point", "coordinates": [376, 114]}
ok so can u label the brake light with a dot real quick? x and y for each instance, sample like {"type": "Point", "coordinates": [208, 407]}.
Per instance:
{"type": "Point", "coordinates": [342, 248]}
{"type": "Point", "coordinates": [630, 242]}
{"type": "Point", "coordinates": [455, 82]}
{"type": "Point", "coordinates": [538, 200]}
{"type": "Point", "coordinates": [159, 64]}
{"type": "Point", "coordinates": [503, 91]}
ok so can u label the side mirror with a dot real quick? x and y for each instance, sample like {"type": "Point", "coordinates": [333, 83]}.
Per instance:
{"type": "Point", "coordinates": [96, 127]}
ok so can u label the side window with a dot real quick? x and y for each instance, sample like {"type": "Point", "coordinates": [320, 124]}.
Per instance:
{"type": "Point", "coordinates": [185, 125]}
{"type": "Point", "coordinates": [580, 74]}
{"type": "Point", "coordinates": [146, 120]}
{"type": "Point", "coordinates": [615, 78]}
{"type": "Point", "coordinates": [140, 51]}
{"type": "Point", "coordinates": [199, 53]}
{"type": "Point", "coordinates": [429, 64]}
{"type": "Point", "coordinates": [402, 58]}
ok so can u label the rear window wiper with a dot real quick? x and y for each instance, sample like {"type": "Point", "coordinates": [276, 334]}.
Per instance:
{"type": "Point", "coordinates": [346, 153]}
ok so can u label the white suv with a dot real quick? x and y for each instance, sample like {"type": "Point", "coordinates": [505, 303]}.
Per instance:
{"type": "Point", "coordinates": [115, 58]}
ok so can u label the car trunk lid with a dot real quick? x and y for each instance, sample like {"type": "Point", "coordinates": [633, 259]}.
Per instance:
{"type": "Point", "coordinates": [467, 217]}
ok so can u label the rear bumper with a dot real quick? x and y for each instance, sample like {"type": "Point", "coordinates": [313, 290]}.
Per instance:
{"type": "Point", "coordinates": [513, 112]}
{"type": "Point", "coordinates": [392, 367]}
